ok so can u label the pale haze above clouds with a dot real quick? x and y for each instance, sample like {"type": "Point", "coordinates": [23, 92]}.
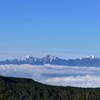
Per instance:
{"type": "Point", "coordinates": [55, 75]}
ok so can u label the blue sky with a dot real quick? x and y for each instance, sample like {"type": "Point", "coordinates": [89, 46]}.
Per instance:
{"type": "Point", "coordinates": [64, 28]}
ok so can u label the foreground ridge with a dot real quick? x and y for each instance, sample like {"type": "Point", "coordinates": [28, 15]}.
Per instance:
{"type": "Point", "coordinates": [27, 89]}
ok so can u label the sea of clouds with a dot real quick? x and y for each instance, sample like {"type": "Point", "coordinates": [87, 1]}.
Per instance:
{"type": "Point", "coordinates": [55, 75]}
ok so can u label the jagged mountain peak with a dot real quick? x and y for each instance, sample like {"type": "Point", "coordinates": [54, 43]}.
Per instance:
{"type": "Point", "coordinates": [50, 58]}
{"type": "Point", "coordinates": [27, 56]}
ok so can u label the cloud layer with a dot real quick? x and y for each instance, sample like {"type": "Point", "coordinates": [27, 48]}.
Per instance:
{"type": "Point", "coordinates": [55, 75]}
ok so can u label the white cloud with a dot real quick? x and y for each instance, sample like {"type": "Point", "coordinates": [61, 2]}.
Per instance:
{"type": "Point", "coordinates": [55, 75]}
{"type": "Point", "coordinates": [78, 81]}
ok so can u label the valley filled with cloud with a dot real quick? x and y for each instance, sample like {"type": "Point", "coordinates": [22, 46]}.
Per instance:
{"type": "Point", "coordinates": [55, 75]}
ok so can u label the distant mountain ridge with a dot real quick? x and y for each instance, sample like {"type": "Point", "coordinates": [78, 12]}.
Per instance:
{"type": "Point", "coordinates": [49, 59]}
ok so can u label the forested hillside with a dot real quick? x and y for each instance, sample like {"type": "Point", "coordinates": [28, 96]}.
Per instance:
{"type": "Point", "coordinates": [27, 89]}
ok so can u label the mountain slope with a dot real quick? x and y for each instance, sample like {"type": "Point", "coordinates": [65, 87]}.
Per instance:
{"type": "Point", "coordinates": [27, 89]}
{"type": "Point", "coordinates": [49, 59]}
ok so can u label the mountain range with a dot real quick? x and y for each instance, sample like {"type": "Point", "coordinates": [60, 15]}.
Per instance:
{"type": "Point", "coordinates": [49, 59]}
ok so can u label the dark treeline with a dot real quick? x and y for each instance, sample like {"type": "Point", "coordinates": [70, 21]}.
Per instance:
{"type": "Point", "coordinates": [27, 89]}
